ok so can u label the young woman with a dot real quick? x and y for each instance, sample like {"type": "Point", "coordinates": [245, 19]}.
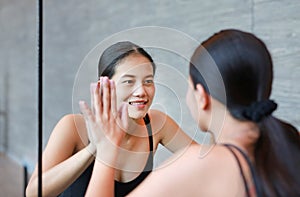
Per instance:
{"type": "Point", "coordinates": [68, 158]}
{"type": "Point", "coordinates": [255, 153]}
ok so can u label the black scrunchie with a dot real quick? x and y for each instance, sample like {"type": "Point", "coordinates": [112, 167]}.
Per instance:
{"type": "Point", "coordinates": [258, 110]}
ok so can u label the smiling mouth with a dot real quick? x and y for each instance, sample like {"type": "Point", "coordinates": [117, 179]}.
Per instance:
{"type": "Point", "coordinates": [138, 102]}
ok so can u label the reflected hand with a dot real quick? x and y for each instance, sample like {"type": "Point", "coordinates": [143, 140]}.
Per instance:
{"type": "Point", "coordinates": [105, 124]}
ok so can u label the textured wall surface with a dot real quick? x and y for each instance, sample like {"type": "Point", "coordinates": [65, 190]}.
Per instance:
{"type": "Point", "coordinates": [72, 28]}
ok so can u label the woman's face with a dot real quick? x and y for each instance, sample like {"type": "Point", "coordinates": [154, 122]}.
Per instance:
{"type": "Point", "coordinates": [134, 80]}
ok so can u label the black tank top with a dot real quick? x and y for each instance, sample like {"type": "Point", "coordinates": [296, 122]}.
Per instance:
{"type": "Point", "coordinates": [252, 170]}
{"type": "Point", "coordinates": [79, 186]}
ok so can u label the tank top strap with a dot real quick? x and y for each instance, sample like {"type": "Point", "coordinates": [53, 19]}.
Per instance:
{"type": "Point", "coordinates": [149, 130]}
{"type": "Point", "coordinates": [122, 189]}
{"type": "Point", "coordinates": [251, 167]}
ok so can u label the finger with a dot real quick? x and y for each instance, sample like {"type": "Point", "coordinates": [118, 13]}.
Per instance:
{"type": "Point", "coordinates": [106, 98]}
{"type": "Point", "coordinates": [93, 87]}
{"type": "Point", "coordinates": [97, 99]}
{"type": "Point", "coordinates": [113, 100]}
{"type": "Point", "coordinates": [89, 119]}
{"type": "Point", "coordinates": [87, 112]}
{"type": "Point", "coordinates": [124, 116]}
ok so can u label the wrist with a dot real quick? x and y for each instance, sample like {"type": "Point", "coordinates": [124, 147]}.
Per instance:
{"type": "Point", "coordinates": [91, 148]}
{"type": "Point", "coordinates": [107, 153]}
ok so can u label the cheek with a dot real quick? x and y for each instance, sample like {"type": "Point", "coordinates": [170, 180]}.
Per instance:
{"type": "Point", "coordinates": [122, 94]}
{"type": "Point", "coordinates": [151, 92]}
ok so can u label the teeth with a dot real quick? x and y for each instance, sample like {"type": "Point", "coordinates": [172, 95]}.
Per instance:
{"type": "Point", "coordinates": [133, 102]}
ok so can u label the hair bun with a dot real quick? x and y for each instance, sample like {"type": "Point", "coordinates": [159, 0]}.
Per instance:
{"type": "Point", "coordinates": [258, 110]}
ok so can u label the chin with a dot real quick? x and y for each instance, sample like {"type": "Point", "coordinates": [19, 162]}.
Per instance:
{"type": "Point", "coordinates": [137, 114]}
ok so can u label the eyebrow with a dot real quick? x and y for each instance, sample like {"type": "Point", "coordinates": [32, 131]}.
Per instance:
{"type": "Point", "coordinates": [132, 76]}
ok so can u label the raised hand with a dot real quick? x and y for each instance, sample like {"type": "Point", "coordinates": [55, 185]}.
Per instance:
{"type": "Point", "coordinates": [105, 124]}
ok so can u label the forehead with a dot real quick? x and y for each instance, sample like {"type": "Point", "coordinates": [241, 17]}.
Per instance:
{"type": "Point", "coordinates": [134, 64]}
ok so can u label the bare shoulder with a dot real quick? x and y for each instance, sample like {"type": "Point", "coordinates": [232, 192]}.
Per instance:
{"type": "Point", "coordinates": [211, 170]}
{"type": "Point", "coordinates": [210, 156]}
{"type": "Point", "coordinates": [71, 122]}
{"type": "Point", "coordinates": [205, 161]}
{"type": "Point", "coordinates": [168, 132]}
{"type": "Point", "coordinates": [198, 171]}
{"type": "Point", "coordinates": [76, 121]}
{"type": "Point", "coordinates": [162, 124]}
{"type": "Point", "coordinates": [72, 127]}
{"type": "Point", "coordinates": [188, 159]}
{"type": "Point", "coordinates": [72, 118]}
{"type": "Point", "coordinates": [190, 173]}
{"type": "Point", "coordinates": [160, 119]}
{"type": "Point", "coordinates": [157, 115]}
{"type": "Point", "coordinates": [66, 138]}
{"type": "Point", "coordinates": [156, 112]}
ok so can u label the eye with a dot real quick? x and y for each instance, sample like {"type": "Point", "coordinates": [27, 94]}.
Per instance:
{"type": "Point", "coordinates": [148, 81]}
{"type": "Point", "coordinates": [128, 82]}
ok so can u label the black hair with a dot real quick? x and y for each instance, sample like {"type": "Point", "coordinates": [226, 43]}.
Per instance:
{"type": "Point", "coordinates": [117, 52]}
{"type": "Point", "coordinates": [246, 69]}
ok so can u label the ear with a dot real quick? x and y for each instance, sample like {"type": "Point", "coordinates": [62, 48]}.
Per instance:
{"type": "Point", "coordinates": [202, 96]}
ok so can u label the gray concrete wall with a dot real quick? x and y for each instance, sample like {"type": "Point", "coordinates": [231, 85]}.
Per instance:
{"type": "Point", "coordinates": [73, 27]}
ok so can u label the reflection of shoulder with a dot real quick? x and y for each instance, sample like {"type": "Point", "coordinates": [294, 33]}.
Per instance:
{"type": "Point", "coordinates": [72, 126]}
{"type": "Point", "coordinates": [158, 116]}
{"type": "Point", "coordinates": [155, 112]}
{"type": "Point", "coordinates": [72, 121]}
{"type": "Point", "coordinates": [158, 119]}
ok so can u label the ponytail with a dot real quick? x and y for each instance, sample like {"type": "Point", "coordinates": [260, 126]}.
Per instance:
{"type": "Point", "coordinates": [277, 158]}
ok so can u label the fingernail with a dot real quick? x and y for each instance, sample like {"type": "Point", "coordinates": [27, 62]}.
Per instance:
{"type": "Point", "coordinates": [112, 83]}
{"type": "Point", "coordinates": [101, 81]}
{"type": "Point", "coordinates": [105, 80]}
{"type": "Point", "coordinates": [81, 103]}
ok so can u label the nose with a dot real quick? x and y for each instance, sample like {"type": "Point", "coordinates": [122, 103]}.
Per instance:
{"type": "Point", "coordinates": [139, 91]}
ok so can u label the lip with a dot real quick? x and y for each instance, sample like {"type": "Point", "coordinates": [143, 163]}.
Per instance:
{"type": "Point", "coordinates": [140, 104]}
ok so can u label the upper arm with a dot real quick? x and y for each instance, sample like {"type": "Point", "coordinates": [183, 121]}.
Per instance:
{"type": "Point", "coordinates": [63, 141]}
{"type": "Point", "coordinates": [170, 134]}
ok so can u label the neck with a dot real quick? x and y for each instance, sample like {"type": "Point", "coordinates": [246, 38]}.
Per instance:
{"type": "Point", "coordinates": [243, 134]}
{"type": "Point", "coordinates": [135, 128]}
